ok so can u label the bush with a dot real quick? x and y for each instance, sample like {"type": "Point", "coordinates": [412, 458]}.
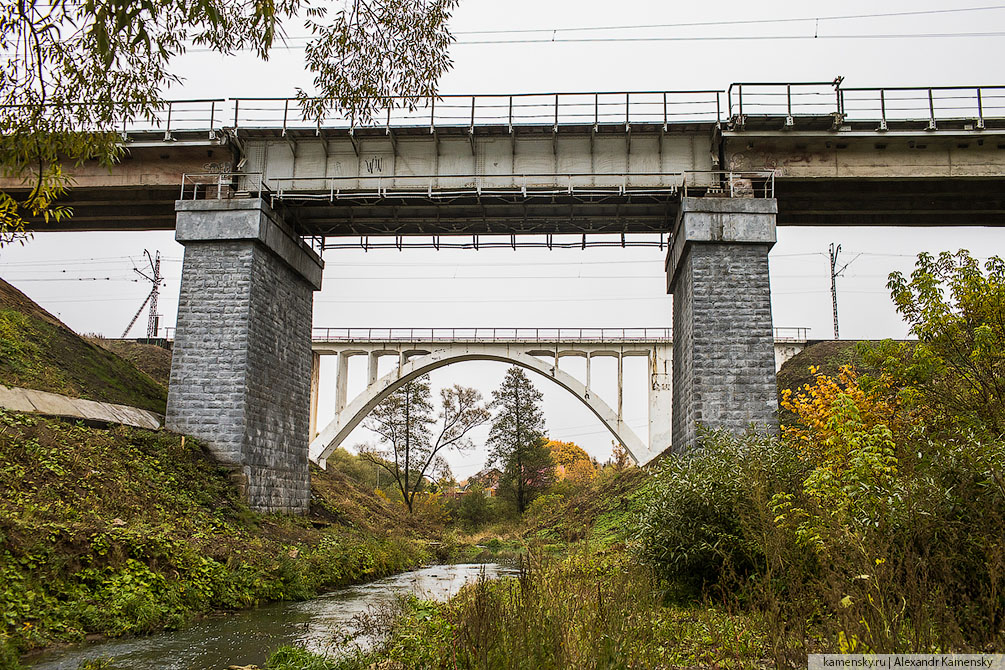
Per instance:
{"type": "Point", "coordinates": [856, 531]}
{"type": "Point", "coordinates": [476, 508]}
{"type": "Point", "coordinates": [698, 514]}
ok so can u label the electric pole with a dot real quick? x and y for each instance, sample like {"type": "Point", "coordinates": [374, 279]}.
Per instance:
{"type": "Point", "coordinates": [834, 290]}
{"type": "Point", "coordinates": [835, 273]}
{"type": "Point", "coordinates": [155, 279]}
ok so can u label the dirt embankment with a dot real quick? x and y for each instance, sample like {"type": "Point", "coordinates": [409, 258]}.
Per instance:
{"type": "Point", "coordinates": [150, 358]}
{"type": "Point", "coordinates": [39, 351]}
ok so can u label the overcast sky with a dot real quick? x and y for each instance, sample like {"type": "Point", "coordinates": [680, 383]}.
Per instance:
{"type": "Point", "coordinates": [65, 272]}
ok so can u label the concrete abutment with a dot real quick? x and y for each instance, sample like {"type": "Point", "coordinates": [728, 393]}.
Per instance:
{"type": "Point", "coordinates": [241, 366]}
{"type": "Point", "coordinates": [723, 345]}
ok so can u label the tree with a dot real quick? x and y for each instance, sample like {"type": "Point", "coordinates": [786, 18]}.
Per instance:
{"type": "Point", "coordinates": [572, 463]}
{"type": "Point", "coordinates": [517, 439]}
{"type": "Point", "coordinates": [76, 70]}
{"type": "Point", "coordinates": [620, 458]}
{"type": "Point", "coordinates": [404, 422]}
{"type": "Point", "coordinates": [566, 453]}
{"type": "Point", "coordinates": [475, 507]}
{"type": "Point", "coordinates": [957, 311]}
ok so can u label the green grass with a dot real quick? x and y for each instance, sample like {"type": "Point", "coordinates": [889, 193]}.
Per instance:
{"type": "Point", "coordinates": [589, 610]}
{"type": "Point", "coordinates": [36, 354]}
{"type": "Point", "coordinates": [602, 512]}
{"type": "Point", "coordinates": [126, 531]}
{"type": "Point", "coordinates": [38, 351]}
{"type": "Point", "coordinates": [582, 600]}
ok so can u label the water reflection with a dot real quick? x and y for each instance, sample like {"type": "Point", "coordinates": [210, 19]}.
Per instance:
{"type": "Point", "coordinates": [247, 637]}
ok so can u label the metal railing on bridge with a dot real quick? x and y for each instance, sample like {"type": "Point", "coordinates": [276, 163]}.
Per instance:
{"type": "Point", "coordinates": [791, 334]}
{"type": "Point", "coordinates": [224, 185]}
{"type": "Point", "coordinates": [880, 105]}
{"type": "Point", "coordinates": [613, 335]}
{"type": "Point", "coordinates": [567, 335]}
{"type": "Point", "coordinates": [622, 108]}
{"type": "Point", "coordinates": [665, 108]}
{"type": "Point", "coordinates": [782, 334]}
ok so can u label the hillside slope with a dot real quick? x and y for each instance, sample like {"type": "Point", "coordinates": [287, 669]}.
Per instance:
{"type": "Point", "coordinates": [124, 531]}
{"type": "Point", "coordinates": [119, 530]}
{"type": "Point", "coordinates": [39, 351]}
{"type": "Point", "coordinates": [150, 358]}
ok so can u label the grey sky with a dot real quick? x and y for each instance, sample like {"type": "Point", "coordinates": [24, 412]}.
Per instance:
{"type": "Point", "coordinates": [592, 288]}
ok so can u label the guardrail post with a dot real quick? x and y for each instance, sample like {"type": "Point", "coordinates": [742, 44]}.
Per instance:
{"type": "Point", "coordinates": [931, 111]}
{"type": "Point", "coordinates": [556, 113]}
{"type": "Point", "coordinates": [237, 104]}
{"type": "Point", "coordinates": [511, 114]}
{"type": "Point", "coordinates": [212, 118]}
{"type": "Point", "coordinates": [980, 110]}
{"type": "Point", "coordinates": [432, 115]}
{"type": "Point", "coordinates": [788, 99]}
{"type": "Point", "coordinates": [882, 109]}
{"type": "Point", "coordinates": [286, 111]}
{"type": "Point", "coordinates": [167, 129]}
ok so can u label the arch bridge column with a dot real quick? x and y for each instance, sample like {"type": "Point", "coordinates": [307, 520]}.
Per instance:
{"type": "Point", "coordinates": [723, 344]}
{"type": "Point", "coordinates": [241, 365]}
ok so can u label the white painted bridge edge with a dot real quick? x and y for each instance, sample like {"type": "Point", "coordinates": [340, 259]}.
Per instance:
{"type": "Point", "coordinates": [350, 416]}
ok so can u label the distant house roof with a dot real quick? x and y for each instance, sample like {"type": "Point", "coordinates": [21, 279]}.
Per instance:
{"type": "Point", "coordinates": [488, 478]}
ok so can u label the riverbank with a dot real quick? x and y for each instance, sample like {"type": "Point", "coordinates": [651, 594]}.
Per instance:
{"type": "Point", "coordinates": [122, 531]}
{"type": "Point", "coordinates": [106, 532]}
{"type": "Point", "coordinates": [245, 638]}
{"type": "Point", "coordinates": [582, 599]}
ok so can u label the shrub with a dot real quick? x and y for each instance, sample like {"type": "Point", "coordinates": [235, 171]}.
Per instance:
{"type": "Point", "coordinates": [475, 508]}
{"type": "Point", "coordinates": [700, 513]}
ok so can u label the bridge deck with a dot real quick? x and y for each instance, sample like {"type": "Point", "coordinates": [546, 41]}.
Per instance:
{"type": "Point", "coordinates": [581, 163]}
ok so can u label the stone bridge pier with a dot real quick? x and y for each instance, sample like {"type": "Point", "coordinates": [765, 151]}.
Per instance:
{"type": "Point", "coordinates": [723, 344]}
{"type": "Point", "coordinates": [241, 367]}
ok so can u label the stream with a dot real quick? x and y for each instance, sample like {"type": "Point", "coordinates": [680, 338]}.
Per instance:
{"type": "Point", "coordinates": [247, 637]}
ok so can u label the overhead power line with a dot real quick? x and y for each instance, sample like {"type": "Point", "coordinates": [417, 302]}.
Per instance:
{"type": "Point", "coordinates": [478, 300]}
{"type": "Point", "coordinates": [733, 22]}
{"type": "Point", "coordinates": [734, 38]}
{"type": "Point", "coordinates": [707, 24]}
{"type": "Point", "coordinates": [815, 35]}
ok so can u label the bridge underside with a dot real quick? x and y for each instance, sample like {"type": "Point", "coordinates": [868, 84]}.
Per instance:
{"type": "Point", "coordinates": [801, 202]}
{"type": "Point", "coordinates": [891, 202]}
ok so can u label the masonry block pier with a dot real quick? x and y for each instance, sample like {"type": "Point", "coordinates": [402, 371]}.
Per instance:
{"type": "Point", "coordinates": [241, 367]}
{"type": "Point", "coordinates": [723, 345]}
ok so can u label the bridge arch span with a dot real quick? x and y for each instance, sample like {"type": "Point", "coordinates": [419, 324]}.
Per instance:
{"type": "Point", "coordinates": [345, 421]}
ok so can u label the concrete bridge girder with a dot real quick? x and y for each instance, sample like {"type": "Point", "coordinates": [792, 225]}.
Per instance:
{"type": "Point", "coordinates": [353, 414]}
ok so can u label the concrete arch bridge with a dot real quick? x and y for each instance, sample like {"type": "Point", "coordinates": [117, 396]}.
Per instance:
{"type": "Point", "coordinates": [420, 351]}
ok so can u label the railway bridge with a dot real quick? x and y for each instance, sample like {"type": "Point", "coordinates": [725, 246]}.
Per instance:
{"type": "Point", "coordinates": [417, 351]}
{"type": "Point", "coordinates": [255, 192]}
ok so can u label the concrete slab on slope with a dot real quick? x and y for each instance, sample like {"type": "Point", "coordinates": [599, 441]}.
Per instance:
{"type": "Point", "coordinates": [54, 404]}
